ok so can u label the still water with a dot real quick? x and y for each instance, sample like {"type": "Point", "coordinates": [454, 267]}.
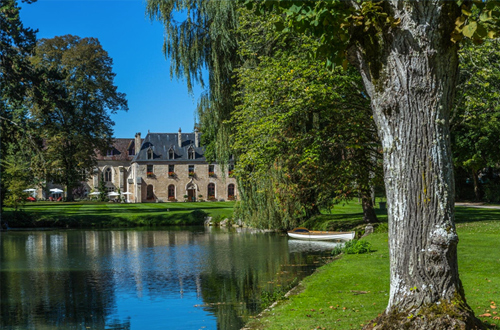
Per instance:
{"type": "Point", "coordinates": [180, 278]}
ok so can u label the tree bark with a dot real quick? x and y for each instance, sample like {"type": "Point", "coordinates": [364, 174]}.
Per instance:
{"type": "Point", "coordinates": [369, 215]}
{"type": "Point", "coordinates": [477, 189]}
{"type": "Point", "coordinates": [410, 74]}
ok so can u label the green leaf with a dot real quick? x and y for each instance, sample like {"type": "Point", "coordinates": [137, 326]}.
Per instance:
{"type": "Point", "coordinates": [469, 29]}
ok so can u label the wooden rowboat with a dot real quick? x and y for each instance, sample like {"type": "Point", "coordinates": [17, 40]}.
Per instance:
{"type": "Point", "coordinates": [312, 235]}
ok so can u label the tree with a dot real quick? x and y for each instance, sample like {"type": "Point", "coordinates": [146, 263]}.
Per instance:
{"type": "Point", "coordinates": [74, 119]}
{"type": "Point", "coordinates": [304, 137]}
{"type": "Point", "coordinates": [475, 127]}
{"type": "Point", "coordinates": [406, 53]}
{"type": "Point", "coordinates": [16, 77]}
{"type": "Point", "coordinates": [203, 41]}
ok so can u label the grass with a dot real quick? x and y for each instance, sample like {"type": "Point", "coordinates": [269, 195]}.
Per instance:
{"type": "Point", "coordinates": [350, 291]}
{"type": "Point", "coordinates": [95, 214]}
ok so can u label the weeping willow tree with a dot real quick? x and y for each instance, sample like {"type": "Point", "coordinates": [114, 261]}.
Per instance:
{"type": "Point", "coordinates": [200, 35]}
{"type": "Point", "coordinates": [303, 135]}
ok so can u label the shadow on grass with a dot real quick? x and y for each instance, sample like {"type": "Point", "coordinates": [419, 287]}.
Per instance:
{"type": "Point", "coordinates": [471, 214]}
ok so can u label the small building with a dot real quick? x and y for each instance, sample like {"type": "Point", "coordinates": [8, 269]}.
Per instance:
{"type": "Point", "coordinates": [163, 167]}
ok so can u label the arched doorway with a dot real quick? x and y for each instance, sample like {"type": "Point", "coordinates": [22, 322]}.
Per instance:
{"type": "Point", "coordinates": [191, 192]}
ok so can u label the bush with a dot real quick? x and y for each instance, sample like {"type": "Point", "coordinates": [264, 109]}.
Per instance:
{"type": "Point", "coordinates": [357, 247]}
{"type": "Point", "coordinates": [197, 217]}
{"type": "Point", "coordinates": [492, 192]}
{"type": "Point", "coordinates": [382, 228]}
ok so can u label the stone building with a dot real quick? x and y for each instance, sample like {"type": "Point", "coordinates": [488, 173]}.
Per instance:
{"type": "Point", "coordinates": [163, 167]}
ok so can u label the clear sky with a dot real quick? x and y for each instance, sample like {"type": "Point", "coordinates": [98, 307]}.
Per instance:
{"type": "Point", "coordinates": [156, 102]}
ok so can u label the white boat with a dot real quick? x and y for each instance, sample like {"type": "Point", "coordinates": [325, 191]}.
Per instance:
{"type": "Point", "coordinates": [313, 235]}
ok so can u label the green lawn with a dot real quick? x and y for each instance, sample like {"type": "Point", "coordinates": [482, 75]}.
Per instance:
{"type": "Point", "coordinates": [350, 291]}
{"type": "Point", "coordinates": [95, 214]}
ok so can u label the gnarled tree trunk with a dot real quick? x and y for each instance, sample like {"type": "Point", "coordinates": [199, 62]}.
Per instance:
{"type": "Point", "coordinates": [410, 74]}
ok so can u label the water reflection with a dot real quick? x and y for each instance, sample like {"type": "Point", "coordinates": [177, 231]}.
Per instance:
{"type": "Point", "coordinates": [295, 245]}
{"type": "Point", "coordinates": [175, 279]}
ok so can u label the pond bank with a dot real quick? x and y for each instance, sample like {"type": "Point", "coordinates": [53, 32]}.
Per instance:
{"type": "Point", "coordinates": [111, 215]}
{"type": "Point", "coordinates": [352, 290]}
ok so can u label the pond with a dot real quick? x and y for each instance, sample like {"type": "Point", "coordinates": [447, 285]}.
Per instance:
{"type": "Point", "coordinates": [178, 278]}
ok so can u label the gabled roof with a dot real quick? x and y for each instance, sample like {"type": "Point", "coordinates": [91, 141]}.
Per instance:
{"type": "Point", "coordinates": [161, 143]}
{"type": "Point", "coordinates": [120, 148]}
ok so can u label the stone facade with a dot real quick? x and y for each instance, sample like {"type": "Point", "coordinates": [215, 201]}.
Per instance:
{"type": "Point", "coordinates": [163, 167]}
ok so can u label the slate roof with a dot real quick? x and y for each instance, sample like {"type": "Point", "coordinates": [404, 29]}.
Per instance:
{"type": "Point", "coordinates": [120, 149]}
{"type": "Point", "coordinates": [161, 143]}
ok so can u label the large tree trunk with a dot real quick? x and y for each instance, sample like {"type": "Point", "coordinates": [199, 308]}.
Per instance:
{"type": "Point", "coordinates": [410, 74]}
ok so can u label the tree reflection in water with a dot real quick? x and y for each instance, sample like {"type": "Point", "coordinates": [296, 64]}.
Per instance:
{"type": "Point", "coordinates": [180, 277]}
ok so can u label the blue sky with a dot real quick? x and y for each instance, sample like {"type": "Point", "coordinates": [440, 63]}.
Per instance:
{"type": "Point", "coordinates": [156, 102]}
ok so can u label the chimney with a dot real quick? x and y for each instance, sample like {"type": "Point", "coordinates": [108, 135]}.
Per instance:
{"type": "Point", "coordinates": [196, 138]}
{"type": "Point", "coordinates": [138, 143]}
{"type": "Point", "coordinates": [179, 138]}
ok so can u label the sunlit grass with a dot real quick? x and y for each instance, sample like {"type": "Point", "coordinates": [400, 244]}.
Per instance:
{"type": "Point", "coordinates": [351, 291]}
{"type": "Point", "coordinates": [94, 214]}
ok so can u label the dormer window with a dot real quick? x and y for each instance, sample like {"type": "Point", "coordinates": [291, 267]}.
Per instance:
{"type": "Point", "coordinates": [191, 153]}
{"type": "Point", "coordinates": [131, 151]}
{"type": "Point", "coordinates": [109, 153]}
{"type": "Point", "coordinates": [150, 154]}
{"type": "Point", "coordinates": [171, 154]}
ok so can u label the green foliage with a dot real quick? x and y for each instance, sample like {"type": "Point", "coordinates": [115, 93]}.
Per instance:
{"type": "Point", "coordinates": [197, 217]}
{"type": "Point", "coordinates": [475, 120]}
{"type": "Point", "coordinates": [304, 136]}
{"type": "Point", "coordinates": [17, 177]}
{"type": "Point", "coordinates": [74, 119]}
{"type": "Point", "coordinates": [382, 228]}
{"type": "Point", "coordinates": [353, 247]}
{"type": "Point", "coordinates": [357, 247]}
{"type": "Point", "coordinates": [103, 191]}
{"type": "Point", "coordinates": [203, 40]}
{"type": "Point", "coordinates": [492, 192]}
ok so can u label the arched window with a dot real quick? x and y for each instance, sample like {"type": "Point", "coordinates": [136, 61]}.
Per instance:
{"type": "Point", "coordinates": [230, 191]}
{"type": "Point", "coordinates": [171, 191]}
{"type": "Point", "coordinates": [150, 153]}
{"type": "Point", "coordinates": [171, 154]}
{"type": "Point", "coordinates": [211, 191]}
{"type": "Point", "coordinates": [150, 193]}
{"type": "Point", "coordinates": [191, 153]}
{"type": "Point", "coordinates": [108, 175]}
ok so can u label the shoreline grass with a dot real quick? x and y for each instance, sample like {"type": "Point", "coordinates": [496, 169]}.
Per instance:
{"type": "Point", "coordinates": [106, 215]}
{"type": "Point", "coordinates": [352, 290]}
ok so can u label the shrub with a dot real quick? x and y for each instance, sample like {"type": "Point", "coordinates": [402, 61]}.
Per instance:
{"type": "Point", "coordinates": [492, 192]}
{"type": "Point", "coordinates": [357, 247]}
{"type": "Point", "coordinates": [382, 228]}
{"type": "Point", "coordinates": [197, 217]}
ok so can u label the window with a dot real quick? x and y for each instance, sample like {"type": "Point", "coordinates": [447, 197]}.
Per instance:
{"type": "Point", "coordinates": [171, 154]}
{"type": "Point", "coordinates": [230, 191]}
{"type": "Point", "coordinates": [191, 170]}
{"type": "Point", "coordinates": [150, 173]}
{"type": "Point", "coordinates": [171, 192]}
{"type": "Point", "coordinates": [150, 153]}
{"type": "Point", "coordinates": [171, 170]}
{"type": "Point", "coordinates": [109, 153]}
{"type": "Point", "coordinates": [211, 191]}
{"type": "Point", "coordinates": [110, 189]}
{"type": "Point", "coordinates": [211, 171]}
{"type": "Point", "coordinates": [149, 192]}
{"type": "Point", "coordinates": [230, 169]}
{"type": "Point", "coordinates": [131, 151]}
{"type": "Point", "coordinates": [191, 153]}
{"type": "Point", "coordinates": [108, 175]}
